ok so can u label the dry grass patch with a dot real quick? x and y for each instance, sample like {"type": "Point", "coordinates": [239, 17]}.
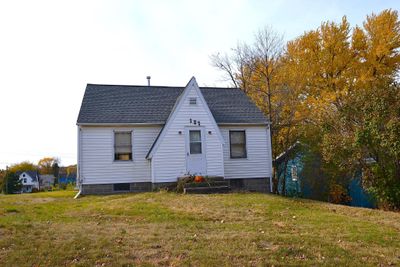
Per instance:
{"type": "Point", "coordinates": [52, 229]}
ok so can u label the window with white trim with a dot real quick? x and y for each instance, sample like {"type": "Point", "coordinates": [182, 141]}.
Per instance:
{"type": "Point", "coordinates": [237, 141]}
{"type": "Point", "coordinates": [122, 146]}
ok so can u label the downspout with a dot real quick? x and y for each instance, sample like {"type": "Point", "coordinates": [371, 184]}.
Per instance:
{"type": "Point", "coordinates": [269, 137]}
{"type": "Point", "coordinates": [78, 165]}
{"type": "Point", "coordinates": [78, 194]}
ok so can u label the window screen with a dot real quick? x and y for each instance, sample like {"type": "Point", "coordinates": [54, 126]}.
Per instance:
{"type": "Point", "coordinates": [123, 145]}
{"type": "Point", "coordinates": [195, 141]}
{"type": "Point", "coordinates": [238, 144]}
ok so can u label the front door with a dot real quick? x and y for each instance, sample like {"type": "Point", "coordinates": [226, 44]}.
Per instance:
{"type": "Point", "coordinates": [195, 151]}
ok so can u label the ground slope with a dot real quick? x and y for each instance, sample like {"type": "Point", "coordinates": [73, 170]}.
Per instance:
{"type": "Point", "coordinates": [53, 229]}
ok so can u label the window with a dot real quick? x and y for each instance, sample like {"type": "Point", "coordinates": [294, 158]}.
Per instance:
{"type": "Point", "coordinates": [122, 187]}
{"type": "Point", "coordinates": [238, 144]}
{"type": "Point", "coordinates": [122, 145]}
{"type": "Point", "coordinates": [195, 141]}
{"type": "Point", "coordinates": [24, 180]}
{"type": "Point", "coordinates": [192, 101]}
{"type": "Point", "coordinates": [294, 173]}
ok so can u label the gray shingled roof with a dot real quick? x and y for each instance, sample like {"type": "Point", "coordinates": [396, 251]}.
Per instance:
{"type": "Point", "coordinates": [153, 104]}
{"type": "Point", "coordinates": [32, 174]}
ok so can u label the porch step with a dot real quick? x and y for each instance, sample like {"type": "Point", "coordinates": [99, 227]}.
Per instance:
{"type": "Point", "coordinates": [207, 190]}
{"type": "Point", "coordinates": [207, 184]}
{"type": "Point", "coordinates": [216, 178]}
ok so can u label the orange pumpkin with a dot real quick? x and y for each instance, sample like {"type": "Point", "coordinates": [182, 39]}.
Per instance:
{"type": "Point", "coordinates": [198, 179]}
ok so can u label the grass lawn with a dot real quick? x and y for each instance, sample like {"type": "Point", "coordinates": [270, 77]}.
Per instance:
{"type": "Point", "coordinates": [53, 229]}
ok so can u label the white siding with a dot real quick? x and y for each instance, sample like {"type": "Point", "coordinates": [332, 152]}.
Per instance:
{"type": "Point", "coordinates": [97, 165]}
{"type": "Point", "coordinates": [169, 161]}
{"type": "Point", "coordinates": [29, 180]}
{"type": "Point", "coordinates": [258, 162]}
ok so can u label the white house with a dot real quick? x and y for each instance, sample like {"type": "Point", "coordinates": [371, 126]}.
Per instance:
{"type": "Point", "coordinates": [136, 138]}
{"type": "Point", "coordinates": [29, 180]}
{"type": "Point", "coordinates": [46, 181]}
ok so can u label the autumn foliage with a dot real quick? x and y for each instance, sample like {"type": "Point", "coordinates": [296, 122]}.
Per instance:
{"type": "Point", "coordinates": [334, 88]}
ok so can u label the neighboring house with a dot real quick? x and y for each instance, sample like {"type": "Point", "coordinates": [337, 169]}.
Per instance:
{"type": "Point", "coordinates": [136, 138]}
{"type": "Point", "coordinates": [303, 175]}
{"type": "Point", "coordinates": [289, 167]}
{"type": "Point", "coordinates": [29, 180]}
{"type": "Point", "coordinates": [46, 181]}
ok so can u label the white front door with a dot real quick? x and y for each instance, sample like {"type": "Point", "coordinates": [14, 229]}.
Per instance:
{"type": "Point", "coordinates": [195, 151]}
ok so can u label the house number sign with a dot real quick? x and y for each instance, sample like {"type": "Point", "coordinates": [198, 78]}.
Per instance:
{"type": "Point", "coordinates": [195, 122]}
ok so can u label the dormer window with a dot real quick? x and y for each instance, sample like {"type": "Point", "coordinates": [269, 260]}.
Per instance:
{"type": "Point", "coordinates": [193, 101]}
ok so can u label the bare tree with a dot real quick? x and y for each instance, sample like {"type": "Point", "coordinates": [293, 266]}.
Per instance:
{"type": "Point", "coordinates": [268, 49]}
{"type": "Point", "coordinates": [238, 66]}
{"type": "Point", "coordinates": [225, 63]}
{"type": "Point", "coordinates": [262, 59]}
{"type": "Point", "coordinates": [254, 69]}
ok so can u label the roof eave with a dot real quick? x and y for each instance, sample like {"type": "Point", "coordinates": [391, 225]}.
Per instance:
{"type": "Point", "coordinates": [105, 124]}
{"type": "Point", "coordinates": [245, 123]}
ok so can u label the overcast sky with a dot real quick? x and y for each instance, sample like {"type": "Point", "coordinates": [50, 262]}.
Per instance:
{"type": "Point", "coordinates": [49, 50]}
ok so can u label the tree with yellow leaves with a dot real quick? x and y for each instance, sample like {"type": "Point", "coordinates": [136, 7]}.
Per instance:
{"type": "Point", "coordinates": [257, 70]}
{"type": "Point", "coordinates": [47, 165]}
{"type": "Point", "coordinates": [348, 79]}
{"type": "Point", "coordinates": [325, 88]}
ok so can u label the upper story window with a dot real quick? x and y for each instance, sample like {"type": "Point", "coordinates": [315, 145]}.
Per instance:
{"type": "Point", "coordinates": [193, 101]}
{"type": "Point", "coordinates": [122, 145]}
{"type": "Point", "coordinates": [237, 141]}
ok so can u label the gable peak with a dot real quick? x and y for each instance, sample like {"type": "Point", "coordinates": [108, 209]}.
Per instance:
{"type": "Point", "coordinates": [192, 82]}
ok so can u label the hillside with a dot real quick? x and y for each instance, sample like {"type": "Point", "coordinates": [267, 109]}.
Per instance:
{"type": "Point", "coordinates": [53, 229]}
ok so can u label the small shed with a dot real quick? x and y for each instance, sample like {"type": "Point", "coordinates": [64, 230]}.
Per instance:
{"type": "Point", "coordinates": [300, 169]}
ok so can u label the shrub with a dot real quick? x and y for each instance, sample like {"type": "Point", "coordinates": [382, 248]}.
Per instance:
{"type": "Point", "coordinates": [11, 183]}
{"type": "Point", "coordinates": [62, 186]}
{"type": "Point", "coordinates": [339, 195]}
{"type": "Point", "coordinates": [182, 181]}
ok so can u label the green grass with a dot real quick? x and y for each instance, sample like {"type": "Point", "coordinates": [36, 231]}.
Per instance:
{"type": "Point", "coordinates": [53, 229]}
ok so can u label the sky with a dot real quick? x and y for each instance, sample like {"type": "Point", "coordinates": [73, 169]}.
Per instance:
{"type": "Point", "coordinates": [50, 50]}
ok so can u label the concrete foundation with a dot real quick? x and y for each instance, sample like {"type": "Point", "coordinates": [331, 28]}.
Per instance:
{"type": "Point", "coordinates": [105, 189]}
{"type": "Point", "coordinates": [261, 185]}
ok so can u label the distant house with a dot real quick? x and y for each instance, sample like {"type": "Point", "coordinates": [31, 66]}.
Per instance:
{"type": "Point", "coordinates": [29, 180]}
{"type": "Point", "coordinates": [136, 138]}
{"type": "Point", "coordinates": [301, 170]}
{"type": "Point", "coordinates": [46, 181]}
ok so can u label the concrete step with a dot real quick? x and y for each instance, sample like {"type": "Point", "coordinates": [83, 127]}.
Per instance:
{"type": "Point", "coordinates": [207, 184]}
{"type": "Point", "coordinates": [207, 190]}
{"type": "Point", "coordinates": [215, 178]}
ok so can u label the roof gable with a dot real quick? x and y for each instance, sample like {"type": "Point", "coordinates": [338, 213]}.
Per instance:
{"type": "Point", "coordinates": [31, 174]}
{"type": "Point", "coordinates": [120, 104]}
{"type": "Point", "coordinates": [191, 85]}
